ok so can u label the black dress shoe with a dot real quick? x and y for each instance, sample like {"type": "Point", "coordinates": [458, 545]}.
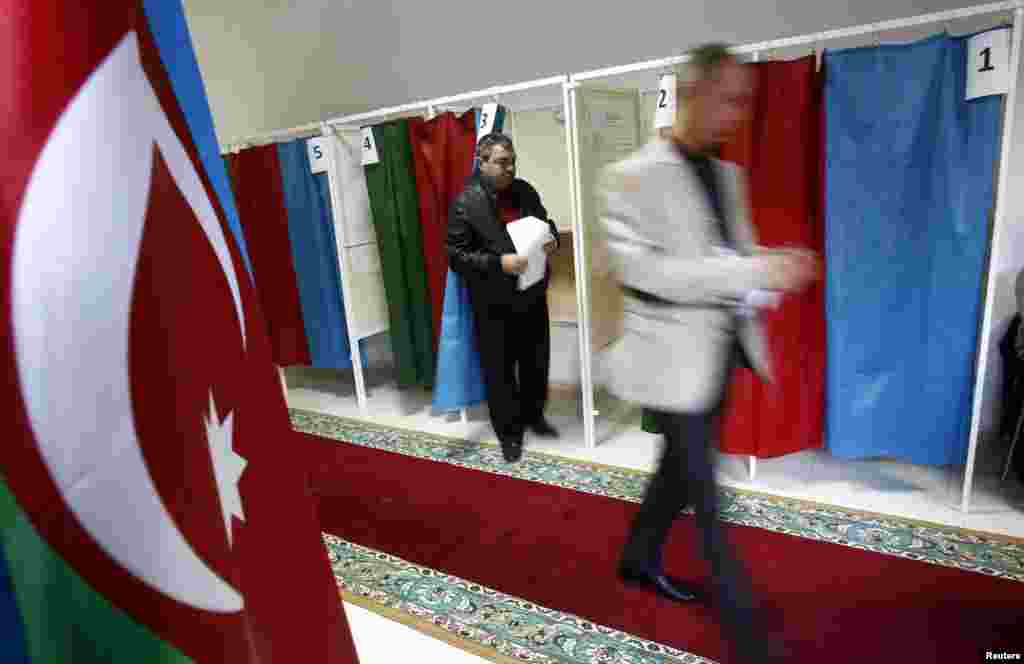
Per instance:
{"type": "Point", "coordinates": [512, 450]}
{"type": "Point", "coordinates": [762, 651]}
{"type": "Point", "coordinates": [665, 586]}
{"type": "Point", "coordinates": [544, 429]}
{"type": "Point", "coordinates": [760, 646]}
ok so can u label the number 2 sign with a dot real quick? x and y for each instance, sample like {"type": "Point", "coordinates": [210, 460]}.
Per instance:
{"type": "Point", "coordinates": [988, 63]}
{"type": "Point", "coordinates": [665, 111]}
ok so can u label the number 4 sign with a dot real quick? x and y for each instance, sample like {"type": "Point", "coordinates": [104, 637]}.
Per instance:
{"type": "Point", "coordinates": [370, 155]}
{"type": "Point", "coordinates": [988, 63]}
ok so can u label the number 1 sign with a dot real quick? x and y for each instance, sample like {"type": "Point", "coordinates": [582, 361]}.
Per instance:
{"type": "Point", "coordinates": [988, 63]}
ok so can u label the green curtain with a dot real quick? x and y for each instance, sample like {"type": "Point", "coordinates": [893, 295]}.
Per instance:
{"type": "Point", "coordinates": [395, 207]}
{"type": "Point", "coordinates": [648, 424]}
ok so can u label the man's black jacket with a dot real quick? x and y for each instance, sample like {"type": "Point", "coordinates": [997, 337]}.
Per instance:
{"type": "Point", "coordinates": [477, 238]}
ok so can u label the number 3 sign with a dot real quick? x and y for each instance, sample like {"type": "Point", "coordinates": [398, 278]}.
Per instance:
{"type": "Point", "coordinates": [488, 115]}
{"type": "Point", "coordinates": [988, 63]}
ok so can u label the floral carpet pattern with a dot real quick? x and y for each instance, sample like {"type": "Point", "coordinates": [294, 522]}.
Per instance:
{"type": "Point", "coordinates": [512, 627]}
{"type": "Point", "coordinates": [525, 632]}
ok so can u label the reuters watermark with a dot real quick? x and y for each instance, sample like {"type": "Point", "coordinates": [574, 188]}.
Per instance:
{"type": "Point", "coordinates": [991, 656]}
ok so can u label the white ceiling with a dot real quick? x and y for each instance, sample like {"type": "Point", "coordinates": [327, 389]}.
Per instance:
{"type": "Point", "coordinates": [270, 65]}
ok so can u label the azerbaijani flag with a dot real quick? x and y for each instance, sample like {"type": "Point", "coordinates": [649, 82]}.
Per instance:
{"type": "Point", "coordinates": [153, 507]}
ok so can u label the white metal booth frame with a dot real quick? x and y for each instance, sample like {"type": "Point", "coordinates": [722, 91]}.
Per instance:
{"type": "Point", "coordinates": [570, 83]}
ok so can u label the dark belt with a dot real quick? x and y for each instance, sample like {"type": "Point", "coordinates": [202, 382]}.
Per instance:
{"type": "Point", "coordinates": [645, 297]}
{"type": "Point", "coordinates": [654, 300]}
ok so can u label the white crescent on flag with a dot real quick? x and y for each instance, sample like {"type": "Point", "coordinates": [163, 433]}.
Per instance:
{"type": "Point", "coordinates": [76, 250]}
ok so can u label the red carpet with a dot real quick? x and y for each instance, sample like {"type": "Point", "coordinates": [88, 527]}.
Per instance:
{"type": "Point", "coordinates": [558, 548]}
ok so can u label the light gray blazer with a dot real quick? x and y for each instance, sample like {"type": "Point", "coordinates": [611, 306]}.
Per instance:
{"type": "Point", "coordinates": [661, 234]}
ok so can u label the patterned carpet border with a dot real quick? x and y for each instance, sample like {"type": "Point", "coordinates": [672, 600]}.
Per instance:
{"type": "Point", "coordinates": [992, 555]}
{"type": "Point", "coordinates": [482, 620]}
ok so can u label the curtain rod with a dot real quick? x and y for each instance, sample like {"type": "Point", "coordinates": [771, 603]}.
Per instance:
{"type": "Point", "coordinates": [662, 63]}
{"type": "Point", "coordinates": [444, 101]}
{"type": "Point", "coordinates": [301, 131]}
{"type": "Point", "coordinates": [827, 35]}
{"type": "Point", "coordinates": [314, 128]}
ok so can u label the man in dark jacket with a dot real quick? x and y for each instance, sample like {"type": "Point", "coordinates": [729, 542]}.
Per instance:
{"type": "Point", "coordinates": [512, 326]}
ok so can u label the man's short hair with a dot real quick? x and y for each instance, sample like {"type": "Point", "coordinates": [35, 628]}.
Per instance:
{"type": "Point", "coordinates": [706, 60]}
{"type": "Point", "coordinates": [487, 143]}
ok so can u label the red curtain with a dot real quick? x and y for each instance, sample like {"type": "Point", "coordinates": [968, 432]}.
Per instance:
{"type": "Point", "coordinates": [443, 150]}
{"type": "Point", "coordinates": [782, 148]}
{"type": "Point", "coordinates": [256, 181]}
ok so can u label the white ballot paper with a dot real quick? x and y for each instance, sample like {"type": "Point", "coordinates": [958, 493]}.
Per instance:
{"type": "Point", "coordinates": [529, 235]}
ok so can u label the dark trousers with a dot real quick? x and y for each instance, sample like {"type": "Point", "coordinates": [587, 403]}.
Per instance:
{"type": "Point", "coordinates": [514, 338]}
{"type": "Point", "coordinates": [686, 476]}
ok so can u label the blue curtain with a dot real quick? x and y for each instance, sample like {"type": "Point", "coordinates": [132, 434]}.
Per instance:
{"type": "Point", "coordinates": [460, 380]}
{"type": "Point", "coordinates": [315, 251]}
{"type": "Point", "coordinates": [909, 192]}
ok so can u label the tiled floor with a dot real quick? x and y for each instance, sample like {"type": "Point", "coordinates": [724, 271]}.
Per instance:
{"type": "Point", "coordinates": [918, 492]}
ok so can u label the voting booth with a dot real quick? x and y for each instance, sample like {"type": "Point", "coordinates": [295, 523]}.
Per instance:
{"type": "Point", "coordinates": [566, 129]}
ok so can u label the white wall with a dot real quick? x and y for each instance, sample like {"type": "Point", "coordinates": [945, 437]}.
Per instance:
{"type": "Point", "coordinates": [275, 64]}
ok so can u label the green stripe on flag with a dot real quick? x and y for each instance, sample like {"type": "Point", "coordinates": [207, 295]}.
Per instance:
{"type": "Point", "coordinates": [65, 619]}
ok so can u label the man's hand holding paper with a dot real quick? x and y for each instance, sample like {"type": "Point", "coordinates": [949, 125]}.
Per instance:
{"type": "Point", "coordinates": [531, 236]}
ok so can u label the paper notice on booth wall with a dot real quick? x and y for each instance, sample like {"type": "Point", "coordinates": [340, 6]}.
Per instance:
{"type": "Point", "coordinates": [529, 235]}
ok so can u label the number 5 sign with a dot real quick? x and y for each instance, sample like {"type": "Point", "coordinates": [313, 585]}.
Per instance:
{"type": "Point", "coordinates": [317, 148]}
{"type": "Point", "coordinates": [988, 63]}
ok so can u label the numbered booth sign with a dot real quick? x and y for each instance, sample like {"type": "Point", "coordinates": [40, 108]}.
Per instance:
{"type": "Point", "coordinates": [317, 148]}
{"type": "Point", "coordinates": [369, 149]}
{"type": "Point", "coordinates": [488, 114]}
{"type": "Point", "coordinates": [988, 63]}
{"type": "Point", "coordinates": [665, 112]}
